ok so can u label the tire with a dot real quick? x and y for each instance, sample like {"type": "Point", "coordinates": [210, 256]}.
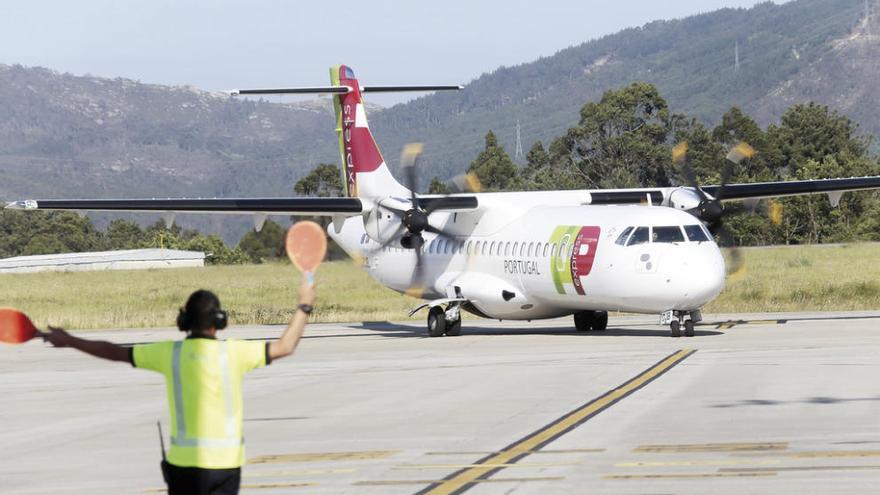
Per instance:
{"type": "Point", "coordinates": [675, 326]}
{"type": "Point", "coordinates": [583, 321]}
{"type": "Point", "coordinates": [454, 329]}
{"type": "Point", "coordinates": [689, 328]}
{"type": "Point", "coordinates": [436, 322]}
{"type": "Point", "coordinates": [600, 321]}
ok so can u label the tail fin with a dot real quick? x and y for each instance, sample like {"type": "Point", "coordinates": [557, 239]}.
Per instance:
{"type": "Point", "coordinates": [366, 174]}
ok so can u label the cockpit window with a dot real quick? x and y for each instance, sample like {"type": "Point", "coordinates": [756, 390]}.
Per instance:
{"type": "Point", "coordinates": [640, 236]}
{"type": "Point", "coordinates": [621, 240]}
{"type": "Point", "coordinates": [695, 233]}
{"type": "Point", "coordinates": [667, 234]}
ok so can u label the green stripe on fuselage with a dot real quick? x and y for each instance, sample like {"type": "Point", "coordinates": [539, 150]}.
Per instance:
{"type": "Point", "coordinates": [560, 263]}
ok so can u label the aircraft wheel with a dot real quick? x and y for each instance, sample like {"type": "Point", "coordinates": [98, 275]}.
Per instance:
{"type": "Point", "coordinates": [600, 321]}
{"type": "Point", "coordinates": [436, 322]}
{"type": "Point", "coordinates": [689, 328]}
{"type": "Point", "coordinates": [675, 326]}
{"type": "Point", "coordinates": [454, 329]}
{"type": "Point", "coordinates": [583, 321]}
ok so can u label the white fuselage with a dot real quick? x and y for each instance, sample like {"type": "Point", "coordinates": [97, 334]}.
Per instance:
{"type": "Point", "coordinates": [516, 258]}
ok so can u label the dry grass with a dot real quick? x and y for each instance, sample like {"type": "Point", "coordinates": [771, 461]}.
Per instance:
{"type": "Point", "coordinates": [804, 278]}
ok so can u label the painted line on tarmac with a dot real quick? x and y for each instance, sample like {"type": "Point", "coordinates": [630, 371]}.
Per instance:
{"type": "Point", "coordinates": [680, 476]}
{"type": "Point", "coordinates": [364, 455]}
{"type": "Point", "coordinates": [817, 453]}
{"type": "Point", "coordinates": [695, 463]}
{"type": "Point", "coordinates": [256, 486]}
{"type": "Point", "coordinates": [426, 482]}
{"type": "Point", "coordinates": [712, 447]}
{"type": "Point", "coordinates": [544, 451]}
{"type": "Point", "coordinates": [486, 465]}
{"type": "Point", "coordinates": [797, 468]}
{"type": "Point", "coordinates": [464, 479]}
{"type": "Point", "coordinates": [304, 472]}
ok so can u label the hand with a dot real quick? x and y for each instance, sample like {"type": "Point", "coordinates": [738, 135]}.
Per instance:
{"type": "Point", "coordinates": [306, 292]}
{"type": "Point", "coordinates": [58, 337]}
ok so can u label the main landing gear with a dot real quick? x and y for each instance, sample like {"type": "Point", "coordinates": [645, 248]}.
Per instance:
{"type": "Point", "coordinates": [584, 321]}
{"type": "Point", "coordinates": [442, 322]}
{"type": "Point", "coordinates": [679, 319]}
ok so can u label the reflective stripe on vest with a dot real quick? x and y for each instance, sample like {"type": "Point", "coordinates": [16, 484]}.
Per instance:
{"type": "Point", "coordinates": [180, 438]}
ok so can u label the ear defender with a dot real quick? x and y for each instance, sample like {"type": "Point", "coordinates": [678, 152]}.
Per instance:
{"type": "Point", "coordinates": [221, 319]}
{"type": "Point", "coordinates": [183, 322]}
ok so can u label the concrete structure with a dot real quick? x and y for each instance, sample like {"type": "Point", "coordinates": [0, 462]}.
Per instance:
{"type": "Point", "coordinates": [770, 403]}
{"type": "Point", "coordinates": [132, 259]}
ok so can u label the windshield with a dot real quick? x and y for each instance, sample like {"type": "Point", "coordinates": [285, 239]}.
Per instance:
{"type": "Point", "coordinates": [667, 234]}
{"type": "Point", "coordinates": [695, 233]}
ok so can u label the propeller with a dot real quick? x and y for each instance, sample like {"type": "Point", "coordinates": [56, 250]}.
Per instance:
{"type": "Point", "coordinates": [710, 209]}
{"type": "Point", "coordinates": [415, 220]}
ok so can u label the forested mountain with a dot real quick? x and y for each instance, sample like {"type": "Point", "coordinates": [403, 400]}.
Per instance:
{"type": "Point", "coordinates": [73, 136]}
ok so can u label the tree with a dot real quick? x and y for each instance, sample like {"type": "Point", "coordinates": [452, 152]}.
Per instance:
{"type": "Point", "coordinates": [266, 244]}
{"type": "Point", "coordinates": [621, 140]}
{"type": "Point", "coordinates": [439, 187]}
{"type": "Point", "coordinates": [493, 166]}
{"type": "Point", "coordinates": [123, 234]}
{"type": "Point", "coordinates": [323, 181]}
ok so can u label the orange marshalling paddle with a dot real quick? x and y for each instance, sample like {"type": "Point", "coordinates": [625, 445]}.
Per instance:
{"type": "Point", "coordinates": [306, 247]}
{"type": "Point", "coordinates": [16, 327]}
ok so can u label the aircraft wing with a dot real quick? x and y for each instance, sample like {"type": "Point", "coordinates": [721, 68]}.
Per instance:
{"type": "Point", "coordinates": [759, 190]}
{"type": "Point", "coordinates": [264, 206]}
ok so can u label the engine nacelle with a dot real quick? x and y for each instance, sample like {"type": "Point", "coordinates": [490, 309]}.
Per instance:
{"type": "Point", "coordinates": [684, 198]}
{"type": "Point", "coordinates": [383, 222]}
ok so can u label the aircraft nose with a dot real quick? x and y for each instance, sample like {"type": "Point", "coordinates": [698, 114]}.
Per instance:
{"type": "Point", "coordinates": [703, 276]}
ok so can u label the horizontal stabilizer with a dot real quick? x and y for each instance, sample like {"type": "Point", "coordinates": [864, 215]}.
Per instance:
{"type": "Point", "coordinates": [270, 206]}
{"type": "Point", "coordinates": [340, 90]}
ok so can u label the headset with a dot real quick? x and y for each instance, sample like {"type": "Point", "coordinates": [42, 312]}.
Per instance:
{"type": "Point", "coordinates": [217, 317]}
{"type": "Point", "coordinates": [219, 320]}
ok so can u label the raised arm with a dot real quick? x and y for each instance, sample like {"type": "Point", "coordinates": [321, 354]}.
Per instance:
{"type": "Point", "coordinates": [58, 337]}
{"type": "Point", "coordinates": [285, 345]}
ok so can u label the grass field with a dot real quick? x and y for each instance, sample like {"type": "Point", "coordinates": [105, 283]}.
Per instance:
{"type": "Point", "coordinates": [803, 278]}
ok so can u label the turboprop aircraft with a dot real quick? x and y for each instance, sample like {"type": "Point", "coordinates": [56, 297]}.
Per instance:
{"type": "Point", "coordinates": [507, 255]}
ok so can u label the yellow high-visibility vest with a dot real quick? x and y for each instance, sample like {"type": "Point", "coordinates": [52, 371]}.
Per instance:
{"type": "Point", "coordinates": [203, 379]}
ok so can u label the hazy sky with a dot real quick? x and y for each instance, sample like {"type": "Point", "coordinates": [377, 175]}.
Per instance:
{"type": "Point", "coordinates": [225, 44]}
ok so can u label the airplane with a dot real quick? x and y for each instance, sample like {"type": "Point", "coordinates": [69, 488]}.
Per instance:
{"type": "Point", "coordinates": [505, 255]}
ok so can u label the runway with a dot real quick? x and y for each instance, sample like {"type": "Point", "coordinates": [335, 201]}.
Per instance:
{"type": "Point", "coordinates": [763, 403]}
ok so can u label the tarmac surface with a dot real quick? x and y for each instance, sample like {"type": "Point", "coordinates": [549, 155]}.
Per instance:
{"type": "Point", "coordinates": [766, 403]}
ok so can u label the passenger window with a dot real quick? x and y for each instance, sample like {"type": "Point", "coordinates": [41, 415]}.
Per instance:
{"type": "Point", "coordinates": [695, 233]}
{"type": "Point", "coordinates": [522, 250]}
{"type": "Point", "coordinates": [531, 249]}
{"type": "Point", "coordinates": [492, 248]}
{"type": "Point", "coordinates": [640, 236]}
{"type": "Point", "coordinates": [668, 234]}
{"type": "Point", "coordinates": [513, 253]}
{"type": "Point", "coordinates": [506, 248]}
{"type": "Point", "coordinates": [621, 240]}
{"type": "Point", "coordinates": [546, 248]}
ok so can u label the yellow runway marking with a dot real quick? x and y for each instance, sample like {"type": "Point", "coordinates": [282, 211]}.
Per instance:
{"type": "Point", "coordinates": [686, 475]}
{"type": "Point", "coordinates": [276, 485]}
{"type": "Point", "coordinates": [256, 486]}
{"type": "Point", "coordinates": [427, 482]}
{"type": "Point", "coordinates": [545, 451]}
{"type": "Point", "coordinates": [819, 453]}
{"type": "Point", "coordinates": [304, 472]}
{"type": "Point", "coordinates": [797, 468]}
{"type": "Point", "coordinates": [324, 456]}
{"type": "Point", "coordinates": [711, 447]}
{"type": "Point", "coordinates": [464, 479]}
{"type": "Point", "coordinates": [693, 463]}
{"type": "Point", "coordinates": [487, 465]}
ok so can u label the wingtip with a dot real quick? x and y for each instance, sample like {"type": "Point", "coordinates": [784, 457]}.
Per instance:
{"type": "Point", "coordinates": [21, 205]}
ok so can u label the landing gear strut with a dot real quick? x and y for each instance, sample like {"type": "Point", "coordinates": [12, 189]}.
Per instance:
{"type": "Point", "coordinates": [677, 319]}
{"type": "Point", "coordinates": [444, 322]}
{"type": "Point", "coordinates": [584, 321]}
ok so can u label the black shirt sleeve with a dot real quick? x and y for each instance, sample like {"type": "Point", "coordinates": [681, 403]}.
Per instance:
{"type": "Point", "coordinates": [268, 357]}
{"type": "Point", "coordinates": [131, 356]}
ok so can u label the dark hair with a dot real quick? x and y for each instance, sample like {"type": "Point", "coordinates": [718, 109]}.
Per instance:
{"type": "Point", "coordinates": [202, 311]}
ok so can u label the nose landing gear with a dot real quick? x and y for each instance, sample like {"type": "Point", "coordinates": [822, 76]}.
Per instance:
{"type": "Point", "coordinates": [677, 319]}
